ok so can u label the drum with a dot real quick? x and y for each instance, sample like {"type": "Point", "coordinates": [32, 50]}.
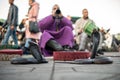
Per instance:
{"type": "Point", "coordinates": [89, 27]}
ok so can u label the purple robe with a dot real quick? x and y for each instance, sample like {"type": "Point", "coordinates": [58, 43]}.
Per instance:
{"type": "Point", "coordinates": [62, 34]}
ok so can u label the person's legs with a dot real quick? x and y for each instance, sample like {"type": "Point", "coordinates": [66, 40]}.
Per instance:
{"type": "Point", "coordinates": [6, 37]}
{"type": "Point", "coordinates": [26, 46]}
{"type": "Point", "coordinates": [27, 42]}
{"type": "Point", "coordinates": [14, 36]}
{"type": "Point", "coordinates": [83, 40]}
{"type": "Point", "coordinates": [54, 45]}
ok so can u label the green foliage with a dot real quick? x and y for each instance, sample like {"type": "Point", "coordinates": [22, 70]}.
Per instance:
{"type": "Point", "coordinates": [2, 20]}
{"type": "Point", "coordinates": [118, 36]}
{"type": "Point", "coordinates": [9, 47]}
{"type": "Point", "coordinates": [74, 18]}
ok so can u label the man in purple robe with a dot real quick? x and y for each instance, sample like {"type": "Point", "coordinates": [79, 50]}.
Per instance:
{"type": "Point", "coordinates": [56, 32]}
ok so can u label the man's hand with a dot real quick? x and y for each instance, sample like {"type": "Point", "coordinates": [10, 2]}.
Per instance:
{"type": "Point", "coordinates": [12, 27]}
{"type": "Point", "coordinates": [55, 14]}
{"type": "Point", "coordinates": [0, 27]}
{"type": "Point", "coordinates": [81, 30]}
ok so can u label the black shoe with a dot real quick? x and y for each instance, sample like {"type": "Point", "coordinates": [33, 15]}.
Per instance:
{"type": "Point", "coordinates": [37, 54]}
{"type": "Point", "coordinates": [66, 48]}
{"type": "Point", "coordinates": [81, 50]}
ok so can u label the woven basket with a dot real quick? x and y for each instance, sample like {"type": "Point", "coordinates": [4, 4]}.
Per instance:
{"type": "Point", "coordinates": [7, 57]}
{"type": "Point", "coordinates": [70, 55]}
{"type": "Point", "coordinates": [7, 54]}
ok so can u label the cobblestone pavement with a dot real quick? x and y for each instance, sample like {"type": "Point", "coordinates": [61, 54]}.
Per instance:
{"type": "Point", "coordinates": [62, 71]}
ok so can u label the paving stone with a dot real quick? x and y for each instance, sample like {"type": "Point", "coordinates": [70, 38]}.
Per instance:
{"type": "Point", "coordinates": [62, 71]}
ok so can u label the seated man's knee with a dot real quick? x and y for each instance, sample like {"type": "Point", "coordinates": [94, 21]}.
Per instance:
{"type": "Point", "coordinates": [54, 45]}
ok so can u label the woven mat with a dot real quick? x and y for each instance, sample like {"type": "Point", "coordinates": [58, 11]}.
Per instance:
{"type": "Point", "coordinates": [7, 57]}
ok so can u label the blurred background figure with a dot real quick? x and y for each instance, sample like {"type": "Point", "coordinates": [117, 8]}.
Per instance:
{"type": "Point", "coordinates": [11, 23]}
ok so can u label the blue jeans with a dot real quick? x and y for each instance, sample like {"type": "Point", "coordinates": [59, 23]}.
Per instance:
{"type": "Point", "coordinates": [8, 34]}
{"type": "Point", "coordinates": [27, 42]}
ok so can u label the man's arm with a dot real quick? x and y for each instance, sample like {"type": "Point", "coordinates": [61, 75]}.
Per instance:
{"type": "Point", "coordinates": [5, 23]}
{"type": "Point", "coordinates": [78, 28]}
{"type": "Point", "coordinates": [66, 22]}
{"type": "Point", "coordinates": [46, 22]}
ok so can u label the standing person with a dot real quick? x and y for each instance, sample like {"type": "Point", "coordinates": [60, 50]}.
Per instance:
{"type": "Point", "coordinates": [11, 23]}
{"type": "Point", "coordinates": [32, 15]}
{"type": "Point", "coordinates": [81, 35]}
{"type": "Point", "coordinates": [33, 38]}
{"type": "Point", "coordinates": [56, 32]}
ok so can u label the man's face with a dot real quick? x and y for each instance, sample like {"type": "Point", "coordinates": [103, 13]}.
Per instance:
{"type": "Point", "coordinates": [85, 13]}
{"type": "Point", "coordinates": [11, 1]}
{"type": "Point", "coordinates": [30, 2]}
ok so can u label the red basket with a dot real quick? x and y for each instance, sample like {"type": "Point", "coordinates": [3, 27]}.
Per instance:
{"type": "Point", "coordinates": [70, 55]}
{"type": "Point", "coordinates": [7, 54]}
{"type": "Point", "coordinates": [11, 51]}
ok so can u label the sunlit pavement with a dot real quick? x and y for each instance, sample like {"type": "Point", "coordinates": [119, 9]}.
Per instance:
{"type": "Point", "coordinates": [62, 71]}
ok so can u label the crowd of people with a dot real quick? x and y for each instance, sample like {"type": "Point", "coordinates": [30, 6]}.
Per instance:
{"type": "Point", "coordinates": [56, 31]}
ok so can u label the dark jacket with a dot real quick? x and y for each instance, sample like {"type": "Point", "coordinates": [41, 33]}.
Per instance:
{"type": "Point", "coordinates": [12, 18]}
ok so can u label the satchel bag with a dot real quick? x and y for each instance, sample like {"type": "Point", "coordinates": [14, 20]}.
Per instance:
{"type": "Point", "coordinates": [33, 27]}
